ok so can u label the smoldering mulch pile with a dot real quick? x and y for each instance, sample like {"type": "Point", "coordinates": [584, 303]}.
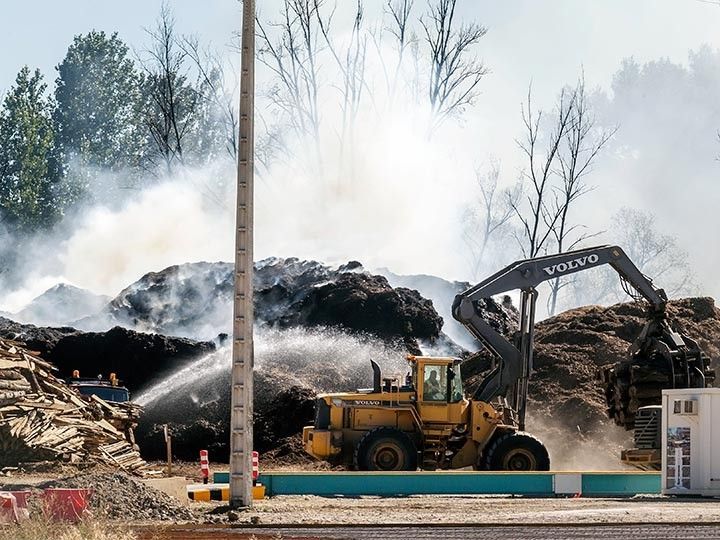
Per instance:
{"type": "Point", "coordinates": [137, 358]}
{"type": "Point", "coordinates": [195, 300]}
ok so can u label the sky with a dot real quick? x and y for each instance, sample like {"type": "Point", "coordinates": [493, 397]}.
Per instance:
{"type": "Point", "coordinates": [544, 42]}
{"type": "Point", "coordinates": [547, 40]}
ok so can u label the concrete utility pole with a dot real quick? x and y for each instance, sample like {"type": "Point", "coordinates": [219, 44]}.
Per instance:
{"type": "Point", "coordinates": [241, 434]}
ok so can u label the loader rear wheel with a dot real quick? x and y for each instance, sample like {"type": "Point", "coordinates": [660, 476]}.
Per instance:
{"type": "Point", "coordinates": [385, 449]}
{"type": "Point", "coordinates": [516, 451]}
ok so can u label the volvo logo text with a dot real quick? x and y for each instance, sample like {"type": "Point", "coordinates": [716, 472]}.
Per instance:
{"type": "Point", "coordinates": [562, 267]}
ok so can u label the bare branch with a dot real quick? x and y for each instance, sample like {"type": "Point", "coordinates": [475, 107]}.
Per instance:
{"type": "Point", "coordinates": [455, 72]}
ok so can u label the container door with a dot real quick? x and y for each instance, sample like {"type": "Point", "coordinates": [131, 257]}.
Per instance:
{"type": "Point", "coordinates": [714, 414]}
{"type": "Point", "coordinates": [678, 452]}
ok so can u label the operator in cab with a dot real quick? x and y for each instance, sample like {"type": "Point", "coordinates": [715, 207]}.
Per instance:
{"type": "Point", "coordinates": [432, 386]}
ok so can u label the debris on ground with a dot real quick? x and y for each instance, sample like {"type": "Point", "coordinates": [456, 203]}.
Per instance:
{"type": "Point", "coordinates": [120, 496]}
{"type": "Point", "coordinates": [43, 419]}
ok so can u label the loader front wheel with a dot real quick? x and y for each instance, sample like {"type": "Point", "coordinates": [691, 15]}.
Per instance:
{"type": "Point", "coordinates": [385, 449]}
{"type": "Point", "coordinates": [516, 451]}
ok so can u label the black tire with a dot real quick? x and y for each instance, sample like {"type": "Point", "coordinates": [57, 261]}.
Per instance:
{"type": "Point", "coordinates": [515, 451]}
{"type": "Point", "coordinates": [385, 449]}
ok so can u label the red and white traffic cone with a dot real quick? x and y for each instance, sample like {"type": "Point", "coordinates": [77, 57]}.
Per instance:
{"type": "Point", "coordinates": [204, 465]}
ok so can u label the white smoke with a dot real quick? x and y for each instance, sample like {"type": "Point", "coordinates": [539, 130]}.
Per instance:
{"type": "Point", "coordinates": [401, 209]}
{"type": "Point", "coordinates": [167, 224]}
{"type": "Point", "coordinates": [400, 205]}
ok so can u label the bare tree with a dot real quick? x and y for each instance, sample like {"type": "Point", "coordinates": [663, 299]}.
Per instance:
{"type": "Point", "coordinates": [292, 59]}
{"type": "Point", "coordinates": [489, 215]}
{"type": "Point", "coordinates": [270, 145]}
{"type": "Point", "coordinates": [351, 64]}
{"type": "Point", "coordinates": [399, 12]}
{"type": "Point", "coordinates": [657, 255]}
{"type": "Point", "coordinates": [535, 211]}
{"type": "Point", "coordinates": [172, 102]}
{"type": "Point", "coordinates": [220, 90]}
{"type": "Point", "coordinates": [455, 72]}
{"type": "Point", "coordinates": [560, 152]}
{"type": "Point", "coordinates": [582, 142]}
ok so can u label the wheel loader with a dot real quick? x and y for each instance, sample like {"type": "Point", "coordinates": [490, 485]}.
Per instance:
{"type": "Point", "coordinates": [427, 421]}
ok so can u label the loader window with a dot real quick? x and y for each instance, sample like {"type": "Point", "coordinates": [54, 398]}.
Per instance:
{"type": "Point", "coordinates": [456, 387]}
{"type": "Point", "coordinates": [434, 383]}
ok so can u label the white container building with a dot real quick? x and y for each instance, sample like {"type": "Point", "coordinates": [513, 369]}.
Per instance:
{"type": "Point", "coordinates": [691, 442]}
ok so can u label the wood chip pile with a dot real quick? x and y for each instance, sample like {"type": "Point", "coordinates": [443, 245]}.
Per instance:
{"type": "Point", "coordinates": [43, 419]}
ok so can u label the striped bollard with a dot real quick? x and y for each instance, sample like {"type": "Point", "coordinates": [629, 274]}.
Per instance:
{"type": "Point", "coordinates": [255, 466]}
{"type": "Point", "coordinates": [204, 465]}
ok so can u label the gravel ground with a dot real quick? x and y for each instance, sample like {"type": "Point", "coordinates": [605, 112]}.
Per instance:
{"type": "Point", "coordinates": [119, 496]}
{"type": "Point", "coordinates": [299, 510]}
{"type": "Point", "coordinates": [116, 496]}
{"type": "Point", "coordinates": [513, 532]}
{"type": "Point", "coordinates": [123, 498]}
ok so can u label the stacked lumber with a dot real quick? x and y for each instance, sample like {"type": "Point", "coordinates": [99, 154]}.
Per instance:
{"type": "Point", "coordinates": [634, 383]}
{"type": "Point", "coordinates": [42, 418]}
{"type": "Point", "coordinates": [638, 381]}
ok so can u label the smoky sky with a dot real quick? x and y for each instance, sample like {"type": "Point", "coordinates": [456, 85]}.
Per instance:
{"type": "Point", "coordinates": [652, 66]}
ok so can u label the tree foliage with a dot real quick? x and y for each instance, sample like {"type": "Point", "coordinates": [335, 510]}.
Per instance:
{"type": "Point", "coordinates": [97, 97]}
{"type": "Point", "coordinates": [28, 178]}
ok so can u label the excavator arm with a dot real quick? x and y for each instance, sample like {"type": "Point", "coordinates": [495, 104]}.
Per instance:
{"type": "Point", "coordinates": [511, 375]}
{"type": "Point", "coordinates": [530, 273]}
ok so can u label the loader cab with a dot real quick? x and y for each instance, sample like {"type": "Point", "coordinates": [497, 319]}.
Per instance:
{"type": "Point", "coordinates": [106, 389]}
{"type": "Point", "coordinates": [440, 395]}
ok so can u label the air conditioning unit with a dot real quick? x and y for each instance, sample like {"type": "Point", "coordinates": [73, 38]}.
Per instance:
{"type": "Point", "coordinates": [691, 442]}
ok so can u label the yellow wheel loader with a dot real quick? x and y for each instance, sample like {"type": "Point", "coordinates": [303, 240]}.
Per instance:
{"type": "Point", "coordinates": [427, 421]}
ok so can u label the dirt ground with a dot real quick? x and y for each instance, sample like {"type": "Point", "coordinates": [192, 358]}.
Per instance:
{"type": "Point", "coordinates": [153, 516]}
{"type": "Point", "coordinates": [450, 518]}
{"type": "Point", "coordinates": [299, 510]}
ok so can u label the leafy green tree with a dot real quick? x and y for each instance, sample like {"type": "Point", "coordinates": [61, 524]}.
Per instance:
{"type": "Point", "coordinates": [29, 198]}
{"type": "Point", "coordinates": [97, 94]}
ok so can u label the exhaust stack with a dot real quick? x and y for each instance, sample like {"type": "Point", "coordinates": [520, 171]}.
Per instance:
{"type": "Point", "coordinates": [376, 377]}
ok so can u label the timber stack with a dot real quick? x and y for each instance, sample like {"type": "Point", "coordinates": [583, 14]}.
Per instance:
{"type": "Point", "coordinates": [631, 384]}
{"type": "Point", "coordinates": [43, 419]}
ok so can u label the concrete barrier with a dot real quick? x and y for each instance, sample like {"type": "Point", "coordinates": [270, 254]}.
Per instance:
{"type": "Point", "coordinates": [218, 492]}
{"type": "Point", "coordinates": [175, 486]}
{"type": "Point", "coordinates": [539, 484]}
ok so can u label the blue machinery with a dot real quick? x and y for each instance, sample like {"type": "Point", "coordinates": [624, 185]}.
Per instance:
{"type": "Point", "coordinates": [538, 484]}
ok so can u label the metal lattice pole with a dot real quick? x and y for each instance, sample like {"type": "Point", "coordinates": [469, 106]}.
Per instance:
{"type": "Point", "coordinates": [241, 435]}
